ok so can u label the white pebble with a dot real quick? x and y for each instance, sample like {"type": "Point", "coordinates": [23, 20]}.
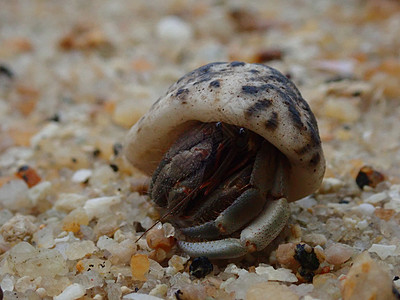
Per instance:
{"type": "Point", "coordinates": [127, 112]}
{"type": "Point", "coordinates": [376, 198]}
{"type": "Point", "coordinates": [279, 274]}
{"type": "Point", "coordinates": [383, 251]}
{"type": "Point", "coordinates": [81, 175]}
{"type": "Point", "coordinates": [306, 203]}
{"type": "Point", "coordinates": [8, 282]}
{"type": "Point", "coordinates": [362, 225]}
{"type": "Point", "coordinates": [159, 290]}
{"type": "Point", "coordinates": [18, 227]}
{"type": "Point", "coordinates": [122, 251]}
{"type": "Point", "coordinates": [315, 239]}
{"type": "Point", "coordinates": [344, 66]}
{"type": "Point", "coordinates": [394, 195]}
{"type": "Point", "coordinates": [41, 292]}
{"type": "Point", "coordinates": [39, 192]}
{"type": "Point", "coordinates": [138, 296]}
{"type": "Point", "coordinates": [241, 285]}
{"type": "Point", "coordinates": [337, 254]}
{"type": "Point", "coordinates": [342, 110]}
{"type": "Point", "coordinates": [14, 195]}
{"type": "Point", "coordinates": [365, 209]}
{"type": "Point", "coordinates": [48, 131]}
{"type": "Point", "coordinates": [26, 283]}
{"type": "Point", "coordinates": [156, 270]}
{"type": "Point", "coordinates": [80, 249]}
{"type": "Point", "coordinates": [69, 201]}
{"type": "Point", "coordinates": [174, 29]}
{"type": "Point", "coordinates": [74, 291]}
{"type": "Point", "coordinates": [330, 185]}
{"type": "Point", "coordinates": [97, 207]}
{"type": "Point", "coordinates": [233, 269]}
{"type": "Point", "coordinates": [25, 260]}
{"type": "Point", "coordinates": [44, 237]}
{"type": "Point", "coordinates": [308, 297]}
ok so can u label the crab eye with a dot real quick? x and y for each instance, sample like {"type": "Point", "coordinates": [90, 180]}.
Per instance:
{"type": "Point", "coordinates": [242, 138]}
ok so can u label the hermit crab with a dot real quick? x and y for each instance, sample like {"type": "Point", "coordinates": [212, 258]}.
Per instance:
{"type": "Point", "coordinates": [228, 146]}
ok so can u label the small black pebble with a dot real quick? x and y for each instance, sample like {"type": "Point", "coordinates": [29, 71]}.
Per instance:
{"type": "Point", "coordinates": [346, 127]}
{"type": "Point", "coordinates": [55, 118]}
{"type": "Point", "coordinates": [368, 176]}
{"type": "Point", "coordinates": [23, 168]}
{"type": "Point", "coordinates": [178, 294]}
{"type": "Point", "coordinates": [96, 153]}
{"type": "Point", "coordinates": [6, 71]}
{"type": "Point", "coordinates": [344, 201]}
{"type": "Point", "coordinates": [307, 260]}
{"type": "Point", "coordinates": [200, 267]}
{"type": "Point", "coordinates": [306, 274]}
{"type": "Point", "coordinates": [117, 148]}
{"type": "Point", "coordinates": [114, 167]}
{"type": "Point", "coordinates": [362, 180]}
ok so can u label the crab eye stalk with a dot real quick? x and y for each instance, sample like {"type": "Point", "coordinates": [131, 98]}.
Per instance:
{"type": "Point", "coordinates": [244, 148]}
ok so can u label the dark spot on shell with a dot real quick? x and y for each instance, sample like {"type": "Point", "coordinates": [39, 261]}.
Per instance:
{"type": "Point", "coordinates": [274, 71]}
{"type": "Point", "coordinates": [237, 64]}
{"type": "Point", "coordinates": [250, 89]}
{"type": "Point", "coordinates": [303, 150]}
{"type": "Point", "coordinates": [206, 68]}
{"type": "Point", "coordinates": [254, 71]}
{"type": "Point", "coordinates": [315, 159]}
{"type": "Point", "coordinates": [181, 91]}
{"type": "Point", "coordinates": [253, 90]}
{"type": "Point", "coordinates": [155, 103]}
{"type": "Point", "coordinates": [274, 77]}
{"type": "Point", "coordinates": [272, 123]}
{"type": "Point", "coordinates": [206, 77]}
{"type": "Point", "coordinates": [314, 136]}
{"type": "Point", "coordinates": [258, 107]}
{"type": "Point", "coordinates": [215, 84]}
{"type": "Point", "coordinates": [295, 116]}
{"type": "Point", "coordinates": [181, 94]}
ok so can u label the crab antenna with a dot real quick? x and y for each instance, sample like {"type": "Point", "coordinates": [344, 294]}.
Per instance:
{"type": "Point", "coordinates": [168, 213]}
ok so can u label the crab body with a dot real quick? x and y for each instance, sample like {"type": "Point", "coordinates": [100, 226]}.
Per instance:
{"type": "Point", "coordinates": [232, 143]}
{"type": "Point", "coordinates": [213, 174]}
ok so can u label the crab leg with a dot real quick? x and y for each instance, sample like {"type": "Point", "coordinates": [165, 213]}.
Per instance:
{"type": "Point", "coordinates": [232, 219]}
{"type": "Point", "coordinates": [256, 236]}
{"type": "Point", "coordinates": [251, 201]}
{"type": "Point", "coordinates": [266, 227]}
{"type": "Point", "coordinates": [226, 248]}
